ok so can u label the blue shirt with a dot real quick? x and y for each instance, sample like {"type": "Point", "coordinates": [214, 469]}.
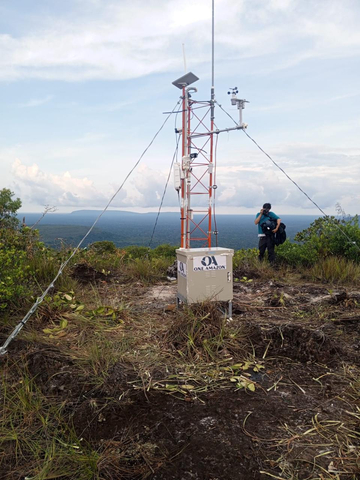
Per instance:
{"type": "Point", "coordinates": [264, 218]}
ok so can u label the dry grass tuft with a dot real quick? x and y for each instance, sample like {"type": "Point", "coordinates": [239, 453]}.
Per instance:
{"type": "Point", "coordinates": [336, 270]}
{"type": "Point", "coordinates": [201, 332]}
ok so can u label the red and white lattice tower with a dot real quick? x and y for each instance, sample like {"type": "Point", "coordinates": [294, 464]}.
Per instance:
{"type": "Point", "coordinates": [194, 177]}
{"type": "Point", "coordinates": [203, 272]}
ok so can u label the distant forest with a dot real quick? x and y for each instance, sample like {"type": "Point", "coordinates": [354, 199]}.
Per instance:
{"type": "Point", "coordinates": [127, 228]}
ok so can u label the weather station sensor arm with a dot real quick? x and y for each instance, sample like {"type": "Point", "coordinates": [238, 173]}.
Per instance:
{"type": "Point", "coordinates": [239, 103]}
{"type": "Point", "coordinates": [214, 132]}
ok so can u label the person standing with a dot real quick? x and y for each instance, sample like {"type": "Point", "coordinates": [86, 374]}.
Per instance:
{"type": "Point", "coordinates": [267, 240]}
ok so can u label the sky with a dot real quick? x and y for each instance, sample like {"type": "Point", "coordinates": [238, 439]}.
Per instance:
{"type": "Point", "coordinates": [84, 85]}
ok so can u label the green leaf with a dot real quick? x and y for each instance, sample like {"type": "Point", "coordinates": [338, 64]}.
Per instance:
{"type": "Point", "coordinates": [258, 367]}
{"type": "Point", "coordinates": [246, 365]}
{"type": "Point", "coordinates": [237, 366]}
{"type": "Point", "coordinates": [169, 386]}
{"type": "Point", "coordinates": [63, 323]}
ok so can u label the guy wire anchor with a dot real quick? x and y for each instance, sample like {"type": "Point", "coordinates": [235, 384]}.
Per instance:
{"type": "Point", "coordinates": [239, 103]}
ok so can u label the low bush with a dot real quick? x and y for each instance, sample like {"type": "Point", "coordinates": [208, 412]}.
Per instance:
{"type": "Point", "coordinates": [165, 250]}
{"type": "Point", "coordinates": [108, 262]}
{"type": "Point", "coordinates": [134, 252]}
{"type": "Point", "coordinates": [245, 257]}
{"type": "Point", "coordinates": [296, 255]}
{"type": "Point", "coordinates": [14, 272]}
{"type": "Point", "coordinates": [161, 251]}
{"type": "Point", "coordinates": [247, 266]}
{"type": "Point", "coordinates": [16, 248]}
{"type": "Point", "coordinates": [332, 236]}
{"type": "Point", "coordinates": [102, 247]}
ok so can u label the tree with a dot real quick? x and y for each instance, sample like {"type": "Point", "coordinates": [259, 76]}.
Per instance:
{"type": "Point", "coordinates": [8, 209]}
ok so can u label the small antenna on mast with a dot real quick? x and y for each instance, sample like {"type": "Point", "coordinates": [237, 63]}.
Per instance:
{"type": "Point", "coordinates": [213, 62]}
{"type": "Point", "coordinates": [183, 48]}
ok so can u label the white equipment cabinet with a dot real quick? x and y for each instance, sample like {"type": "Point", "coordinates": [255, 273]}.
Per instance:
{"type": "Point", "coordinates": [205, 274]}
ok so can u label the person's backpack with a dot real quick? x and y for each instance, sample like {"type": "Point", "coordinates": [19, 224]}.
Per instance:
{"type": "Point", "coordinates": [268, 226]}
{"type": "Point", "coordinates": [280, 235]}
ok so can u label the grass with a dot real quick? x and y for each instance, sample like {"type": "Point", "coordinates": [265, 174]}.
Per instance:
{"type": "Point", "coordinates": [336, 441]}
{"type": "Point", "coordinates": [36, 440]}
{"type": "Point", "coordinates": [99, 355]}
{"type": "Point", "coordinates": [147, 270]}
{"type": "Point", "coordinates": [186, 353]}
{"type": "Point", "coordinates": [109, 262]}
{"type": "Point", "coordinates": [200, 332]}
{"type": "Point", "coordinates": [45, 266]}
{"type": "Point", "coordinates": [336, 270]}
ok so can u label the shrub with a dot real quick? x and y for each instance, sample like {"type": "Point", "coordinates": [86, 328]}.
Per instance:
{"type": "Point", "coordinates": [165, 250]}
{"type": "Point", "coordinates": [13, 273]}
{"type": "Point", "coordinates": [296, 255]}
{"type": "Point", "coordinates": [161, 251]}
{"type": "Point", "coordinates": [332, 236]}
{"type": "Point", "coordinates": [16, 246]}
{"type": "Point", "coordinates": [26, 264]}
{"type": "Point", "coordinates": [133, 252]}
{"type": "Point", "coordinates": [245, 256]}
{"type": "Point", "coordinates": [108, 262]}
{"type": "Point", "coordinates": [104, 246]}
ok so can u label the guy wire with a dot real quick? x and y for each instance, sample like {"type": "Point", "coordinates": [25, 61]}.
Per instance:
{"type": "Point", "coordinates": [293, 181]}
{"type": "Point", "coordinates": [40, 299]}
{"type": "Point", "coordinates": [166, 185]}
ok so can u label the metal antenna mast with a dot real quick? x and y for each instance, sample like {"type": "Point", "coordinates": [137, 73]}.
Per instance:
{"type": "Point", "coordinates": [194, 177]}
{"type": "Point", "coordinates": [204, 272]}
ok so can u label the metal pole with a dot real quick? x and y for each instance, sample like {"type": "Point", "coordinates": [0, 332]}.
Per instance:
{"type": "Point", "coordinates": [213, 62]}
{"type": "Point", "coordinates": [183, 179]}
{"type": "Point", "coordinates": [188, 172]}
{"type": "Point", "coordinates": [212, 117]}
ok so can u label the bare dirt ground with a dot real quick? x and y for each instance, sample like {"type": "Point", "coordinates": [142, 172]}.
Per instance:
{"type": "Point", "coordinates": [280, 399]}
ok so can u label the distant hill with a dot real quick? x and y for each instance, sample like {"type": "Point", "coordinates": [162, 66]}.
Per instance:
{"type": "Point", "coordinates": [95, 213]}
{"type": "Point", "coordinates": [130, 228]}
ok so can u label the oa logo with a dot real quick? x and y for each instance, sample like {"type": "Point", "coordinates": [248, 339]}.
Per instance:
{"type": "Point", "coordinates": [207, 261]}
{"type": "Point", "coordinates": [181, 267]}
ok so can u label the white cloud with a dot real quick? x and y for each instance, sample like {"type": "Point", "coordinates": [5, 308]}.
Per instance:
{"type": "Point", "coordinates": [149, 186]}
{"type": "Point", "coordinates": [37, 187]}
{"type": "Point", "coordinates": [327, 175]}
{"type": "Point", "coordinates": [131, 39]}
{"type": "Point", "coordinates": [42, 188]}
